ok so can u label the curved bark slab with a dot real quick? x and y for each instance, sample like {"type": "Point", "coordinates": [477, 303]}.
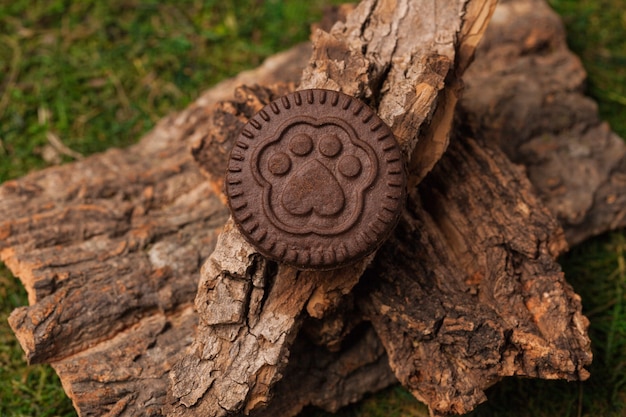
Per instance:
{"type": "Point", "coordinates": [525, 94]}
{"type": "Point", "coordinates": [468, 291]}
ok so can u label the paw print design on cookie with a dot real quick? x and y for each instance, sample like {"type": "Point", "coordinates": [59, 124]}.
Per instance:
{"type": "Point", "coordinates": [316, 180]}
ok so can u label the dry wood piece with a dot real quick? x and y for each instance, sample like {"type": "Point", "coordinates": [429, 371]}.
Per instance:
{"type": "Point", "coordinates": [467, 291]}
{"type": "Point", "coordinates": [100, 250]}
{"type": "Point", "coordinates": [112, 293]}
{"type": "Point", "coordinates": [525, 94]}
{"type": "Point", "coordinates": [395, 56]}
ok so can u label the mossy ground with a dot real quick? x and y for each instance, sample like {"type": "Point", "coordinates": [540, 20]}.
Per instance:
{"type": "Point", "coordinates": [97, 74]}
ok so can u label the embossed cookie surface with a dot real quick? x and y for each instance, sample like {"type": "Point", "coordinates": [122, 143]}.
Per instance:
{"type": "Point", "coordinates": [315, 180]}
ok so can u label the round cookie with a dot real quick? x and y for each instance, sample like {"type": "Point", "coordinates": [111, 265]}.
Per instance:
{"type": "Point", "coordinates": [316, 180]}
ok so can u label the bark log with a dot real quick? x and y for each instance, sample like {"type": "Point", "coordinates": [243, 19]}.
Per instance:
{"type": "Point", "coordinates": [109, 248]}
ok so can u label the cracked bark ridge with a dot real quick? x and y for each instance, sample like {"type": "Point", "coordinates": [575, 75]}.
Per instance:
{"type": "Point", "coordinates": [468, 290]}
{"type": "Point", "coordinates": [251, 312]}
{"type": "Point", "coordinates": [419, 51]}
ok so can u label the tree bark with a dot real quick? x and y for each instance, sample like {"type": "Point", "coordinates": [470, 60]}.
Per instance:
{"type": "Point", "coordinates": [525, 94]}
{"type": "Point", "coordinates": [466, 292]}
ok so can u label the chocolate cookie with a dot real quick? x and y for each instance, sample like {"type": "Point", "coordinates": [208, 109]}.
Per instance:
{"type": "Point", "coordinates": [316, 180]}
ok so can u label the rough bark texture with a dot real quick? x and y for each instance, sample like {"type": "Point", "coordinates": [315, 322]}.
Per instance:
{"type": "Point", "coordinates": [109, 248]}
{"type": "Point", "coordinates": [525, 94]}
{"type": "Point", "coordinates": [396, 57]}
{"type": "Point", "coordinates": [330, 380]}
{"type": "Point", "coordinates": [468, 290]}
{"type": "Point", "coordinates": [104, 242]}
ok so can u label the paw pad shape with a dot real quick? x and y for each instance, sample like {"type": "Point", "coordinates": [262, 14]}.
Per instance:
{"type": "Point", "coordinates": [313, 176]}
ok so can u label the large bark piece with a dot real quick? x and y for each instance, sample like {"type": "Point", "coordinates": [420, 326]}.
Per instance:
{"type": "Point", "coordinates": [99, 250]}
{"type": "Point", "coordinates": [109, 249]}
{"type": "Point", "coordinates": [396, 57]}
{"type": "Point", "coordinates": [468, 290]}
{"type": "Point", "coordinates": [525, 94]}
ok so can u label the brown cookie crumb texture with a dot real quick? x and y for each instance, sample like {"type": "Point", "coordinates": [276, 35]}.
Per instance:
{"type": "Point", "coordinates": [316, 180]}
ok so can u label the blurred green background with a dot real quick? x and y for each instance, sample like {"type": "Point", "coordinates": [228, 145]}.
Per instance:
{"type": "Point", "coordinates": [80, 77]}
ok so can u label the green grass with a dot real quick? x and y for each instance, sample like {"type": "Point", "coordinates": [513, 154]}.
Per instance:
{"type": "Point", "coordinates": [98, 74]}
{"type": "Point", "coordinates": [597, 33]}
